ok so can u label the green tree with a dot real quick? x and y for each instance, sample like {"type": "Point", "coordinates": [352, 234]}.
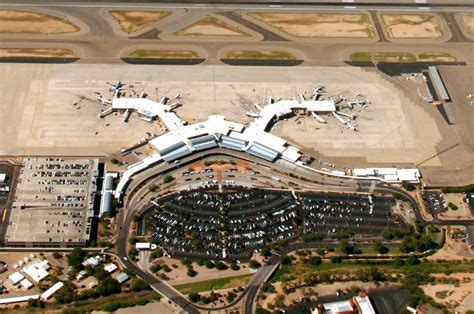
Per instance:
{"type": "Point", "coordinates": [387, 234]}
{"type": "Point", "coordinates": [254, 264]}
{"type": "Point", "coordinates": [266, 252]}
{"type": "Point", "coordinates": [268, 287]}
{"type": "Point", "coordinates": [168, 178]}
{"type": "Point", "coordinates": [194, 297]}
{"type": "Point", "coordinates": [408, 186]}
{"type": "Point", "coordinates": [133, 253]}
{"type": "Point", "coordinates": [234, 266]}
{"type": "Point", "coordinates": [153, 188]}
{"type": "Point", "coordinates": [412, 260]}
{"type": "Point", "coordinates": [345, 247]}
{"type": "Point", "coordinates": [66, 294]}
{"type": "Point", "coordinates": [285, 260]}
{"type": "Point", "coordinates": [99, 272]}
{"type": "Point", "coordinates": [379, 248]}
{"type": "Point", "coordinates": [139, 285]}
{"type": "Point", "coordinates": [191, 272]}
{"type": "Point", "coordinates": [398, 261]}
{"type": "Point", "coordinates": [75, 258]}
{"type": "Point", "coordinates": [315, 260]}
{"type": "Point", "coordinates": [221, 266]}
{"type": "Point", "coordinates": [108, 286]}
{"type": "Point", "coordinates": [336, 259]}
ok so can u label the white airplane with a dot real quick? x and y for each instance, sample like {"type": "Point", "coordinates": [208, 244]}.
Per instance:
{"type": "Point", "coordinates": [351, 116]}
{"type": "Point", "coordinates": [321, 120]}
{"type": "Point", "coordinates": [359, 102]}
{"type": "Point", "coordinates": [103, 101]}
{"type": "Point", "coordinates": [318, 91]}
{"type": "Point", "coordinates": [352, 127]}
{"type": "Point", "coordinates": [338, 117]}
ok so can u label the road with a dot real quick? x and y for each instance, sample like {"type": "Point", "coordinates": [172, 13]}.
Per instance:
{"type": "Point", "coordinates": [102, 43]}
{"type": "Point", "coordinates": [5, 207]}
{"type": "Point", "coordinates": [136, 202]}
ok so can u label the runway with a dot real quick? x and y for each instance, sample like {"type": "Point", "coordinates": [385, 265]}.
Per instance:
{"type": "Point", "coordinates": [102, 43]}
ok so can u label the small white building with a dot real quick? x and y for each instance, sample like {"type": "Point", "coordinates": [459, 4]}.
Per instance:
{"type": "Point", "coordinates": [143, 245]}
{"type": "Point", "coordinates": [92, 261]}
{"type": "Point", "coordinates": [38, 270]}
{"type": "Point", "coordinates": [3, 177]}
{"type": "Point", "coordinates": [15, 278]}
{"type": "Point", "coordinates": [82, 274]}
{"type": "Point", "coordinates": [48, 293]}
{"type": "Point", "coordinates": [110, 268]}
{"type": "Point", "coordinates": [19, 299]}
{"type": "Point", "coordinates": [25, 283]}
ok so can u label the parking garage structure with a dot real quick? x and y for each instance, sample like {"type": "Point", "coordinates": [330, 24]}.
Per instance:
{"type": "Point", "coordinates": [54, 203]}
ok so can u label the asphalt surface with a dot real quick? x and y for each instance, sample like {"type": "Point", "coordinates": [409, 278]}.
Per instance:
{"type": "Point", "coordinates": [102, 44]}
{"type": "Point", "coordinates": [138, 204]}
{"type": "Point", "coordinates": [6, 201]}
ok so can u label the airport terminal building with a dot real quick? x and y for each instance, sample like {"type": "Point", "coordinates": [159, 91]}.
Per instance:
{"type": "Point", "coordinates": [253, 138]}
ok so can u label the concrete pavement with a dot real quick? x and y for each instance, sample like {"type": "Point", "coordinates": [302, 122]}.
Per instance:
{"type": "Point", "coordinates": [102, 43]}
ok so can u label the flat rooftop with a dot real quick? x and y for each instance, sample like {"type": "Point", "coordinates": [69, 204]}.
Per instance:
{"type": "Point", "coordinates": [51, 109]}
{"type": "Point", "coordinates": [53, 201]}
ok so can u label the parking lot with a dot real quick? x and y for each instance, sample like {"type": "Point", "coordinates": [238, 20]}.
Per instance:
{"type": "Point", "coordinates": [469, 199]}
{"type": "Point", "coordinates": [204, 223]}
{"type": "Point", "coordinates": [329, 213]}
{"type": "Point", "coordinates": [435, 201]}
{"type": "Point", "coordinates": [53, 201]}
{"type": "Point", "coordinates": [5, 184]}
{"type": "Point", "coordinates": [231, 222]}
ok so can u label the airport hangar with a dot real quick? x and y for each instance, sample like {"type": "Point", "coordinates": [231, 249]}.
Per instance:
{"type": "Point", "coordinates": [182, 139]}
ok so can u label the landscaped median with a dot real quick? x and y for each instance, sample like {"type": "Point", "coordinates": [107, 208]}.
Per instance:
{"type": "Point", "coordinates": [214, 284]}
{"type": "Point", "coordinates": [161, 56]}
{"type": "Point", "coordinates": [134, 21]}
{"type": "Point", "coordinates": [402, 57]}
{"type": "Point", "coordinates": [319, 25]}
{"type": "Point", "coordinates": [254, 57]}
{"type": "Point", "coordinates": [403, 26]}
{"type": "Point", "coordinates": [23, 22]}
{"type": "Point", "coordinates": [52, 55]}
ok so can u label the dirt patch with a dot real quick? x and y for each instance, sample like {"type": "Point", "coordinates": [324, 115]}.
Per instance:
{"type": "Point", "coordinates": [319, 24]}
{"type": "Point", "coordinates": [134, 21]}
{"type": "Point", "coordinates": [167, 54]}
{"type": "Point", "coordinates": [455, 247]}
{"type": "Point", "coordinates": [467, 20]}
{"type": "Point", "coordinates": [21, 22]}
{"type": "Point", "coordinates": [313, 292]}
{"type": "Point", "coordinates": [211, 26]}
{"type": "Point", "coordinates": [36, 52]}
{"type": "Point", "coordinates": [457, 297]}
{"type": "Point", "coordinates": [412, 25]}
{"type": "Point", "coordinates": [261, 55]}
{"type": "Point", "coordinates": [457, 208]}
